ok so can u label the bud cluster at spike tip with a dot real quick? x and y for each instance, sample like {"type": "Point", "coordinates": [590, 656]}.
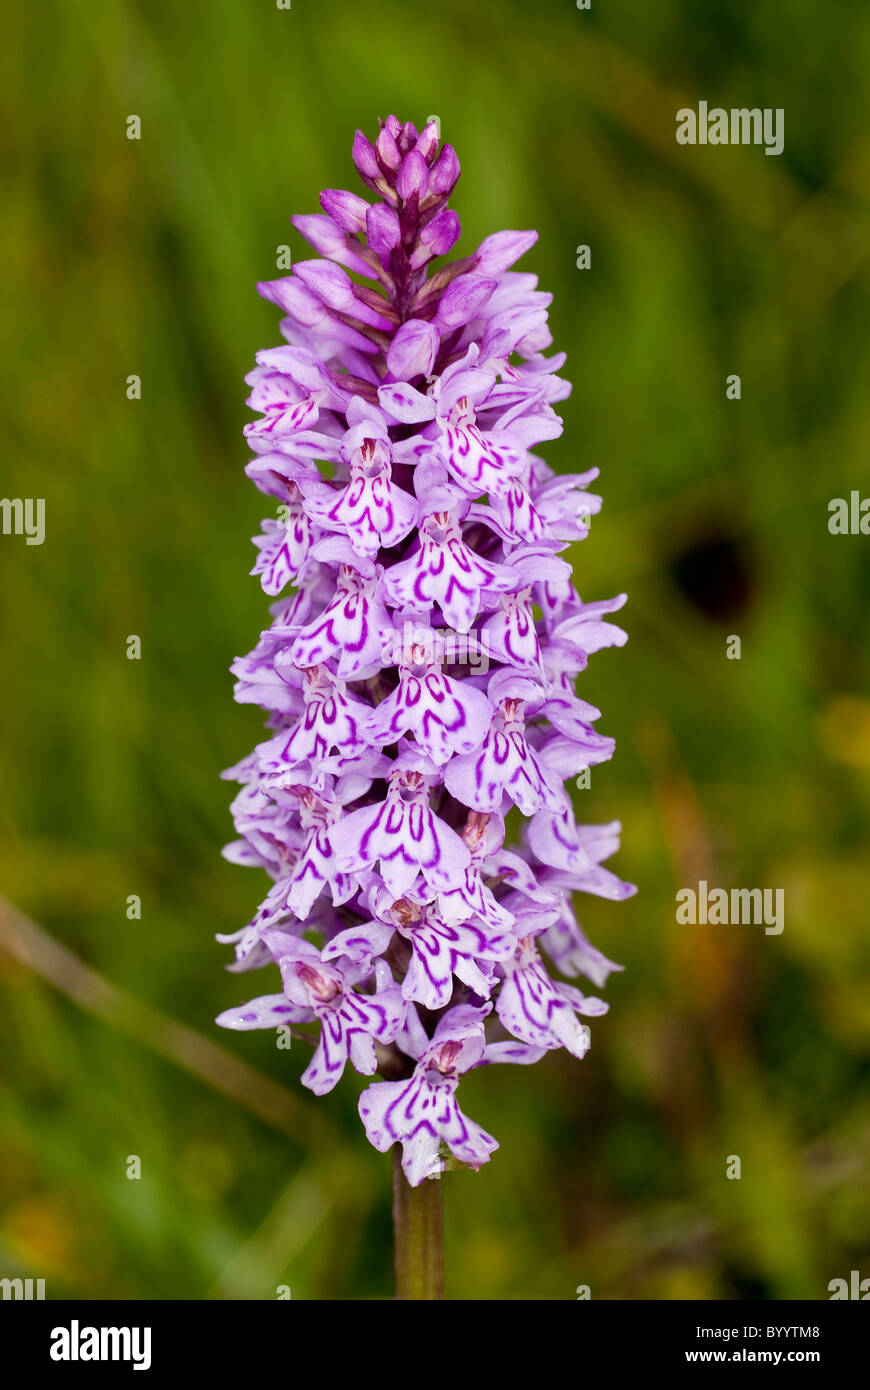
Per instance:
{"type": "Point", "coordinates": [419, 531]}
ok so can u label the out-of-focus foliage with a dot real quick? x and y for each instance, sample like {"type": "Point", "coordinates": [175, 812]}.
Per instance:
{"type": "Point", "coordinates": [126, 257]}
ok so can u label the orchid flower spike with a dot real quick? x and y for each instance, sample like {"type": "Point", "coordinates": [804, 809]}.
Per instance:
{"type": "Point", "coordinates": [419, 673]}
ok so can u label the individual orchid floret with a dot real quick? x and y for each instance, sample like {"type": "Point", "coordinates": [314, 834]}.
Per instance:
{"type": "Point", "coordinates": [446, 716]}
{"type": "Point", "coordinates": [331, 721]}
{"type": "Point", "coordinates": [349, 631]}
{"type": "Point", "coordinates": [439, 950]}
{"type": "Point", "coordinates": [422, 1114]}
{"type": "Point", "coordinates": [473, 897]}
{"type": "Point", "coordinates": [284, 544]}
{"type": "Point", "coordinates": [505, 766]}
{"type": "Point", "coordinates": [540, 1010]}
{"type": "Point", "coordinates": [349, 1021]}
{"type": "Point", "coordinates": [370, 511]}
{"type": "Point", "coordinates": [403, 834]}
{"type": "Point", "coordinates": [315, 865]}
{"type": "Point", "coordinates": [446, 573]}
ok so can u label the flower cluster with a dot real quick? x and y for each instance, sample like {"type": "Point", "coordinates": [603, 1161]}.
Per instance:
{"type": "Point", "coordinates": [420, 676]}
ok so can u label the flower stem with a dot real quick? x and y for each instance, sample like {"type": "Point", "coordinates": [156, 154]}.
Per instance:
{"type": "Point", "coordinates": [418, 1235]}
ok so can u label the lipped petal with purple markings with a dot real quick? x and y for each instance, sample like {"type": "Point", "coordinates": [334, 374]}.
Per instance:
{"type": "Point", "coordinates": [350, 1021]}
{"type": "Point", "coordinates": [577, 851]}
{"type": "Point", "coordinates": [537, 1010]}
{"type": "Point", "coordinates": [332, 721]}
{"type": "Point", "coordinates": [444, 571]}
{"type": "Point", "coordinates": [422, 1113]}
{"type": "Point", "coordinates": [444, 716]}
{"type": "Point", "coordinates": [371, 511]}
{"type": "Point", "coordinates": [442, 950]}
{"type": "Point", "coordinates": [504, 766]}
{"type": "Point", "coordinates": [407, 838]}
{"type": "Point", "coordinates": [283, 547]}
{"type": "Point", "coordinates": [350, 629]}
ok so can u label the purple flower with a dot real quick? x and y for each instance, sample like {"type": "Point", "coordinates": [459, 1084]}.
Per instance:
{"type": "Point", "coordinates": [419, 678]}
{"type": "Point", "coordinates": [445, 572]}
{"type": "Point", "coordinates": [504, 766]}
{"type": "Point", "coordinates": [539, 1010]}
{"type": "Point", "coordinates": [370, 511]}
{"type": "Point", "coordinates": [349, 1020]}
{"type": "Point", "coordinates": [444, 715]}
{"type": "Point", "coordinates": [422, 1113]}
{"type": "Point", "coordinates": [349, 630]}
{"type": "Point", "coordinates": [403, 834]}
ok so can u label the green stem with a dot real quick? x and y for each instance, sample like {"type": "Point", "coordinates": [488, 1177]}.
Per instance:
{"type": "Point", "coordinates": [418, 1235]}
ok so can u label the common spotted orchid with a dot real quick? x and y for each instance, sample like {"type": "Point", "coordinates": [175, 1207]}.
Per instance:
{"type": "Point", "coordinates": [419, 679]}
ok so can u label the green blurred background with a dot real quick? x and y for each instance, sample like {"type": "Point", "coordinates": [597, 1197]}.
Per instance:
{"type": "Point", "coordinates": [140, 257]}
